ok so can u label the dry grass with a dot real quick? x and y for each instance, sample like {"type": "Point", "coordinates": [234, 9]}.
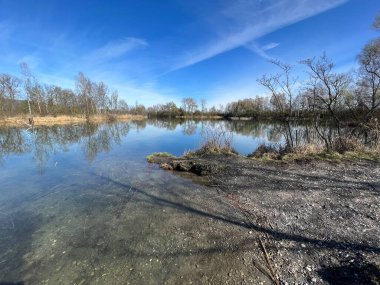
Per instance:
{"type": "Point", "coordinates": [267, 151]}
{"type": "Point", "coordinates": [343, 145]}
{"type": "Point", "coordinates": [214, 141]}
{"type": "Point", "coordinates": [310, 152]}
{"type": "Point", "coordinates": [218, 140]}
{"type": "Point", "coordinates": [65, 120]}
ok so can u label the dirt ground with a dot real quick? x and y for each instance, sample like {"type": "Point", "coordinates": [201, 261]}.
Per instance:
{"type": "Point", "coordinates": [319, 221]}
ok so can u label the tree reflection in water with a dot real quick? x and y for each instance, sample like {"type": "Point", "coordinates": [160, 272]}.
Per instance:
{"type": "Point", "coordinates": [42, 142]}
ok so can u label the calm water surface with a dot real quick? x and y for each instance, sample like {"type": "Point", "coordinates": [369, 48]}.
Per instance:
{"type": "Point", "coordinates": [80, 205]}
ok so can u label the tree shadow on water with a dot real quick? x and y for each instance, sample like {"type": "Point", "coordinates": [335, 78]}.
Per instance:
{"type": "Point", "coordinates": [16, 237]}
{"type": "Point", "coordinates": [277, 235]}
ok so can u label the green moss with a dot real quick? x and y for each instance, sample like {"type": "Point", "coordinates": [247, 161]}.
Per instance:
{"type": "Point", "coordinates": [150, 158]}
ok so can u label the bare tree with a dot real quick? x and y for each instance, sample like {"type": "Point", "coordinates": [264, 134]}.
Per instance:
{"type": "Point", "coordinates": [203, 105]}
{"type": "Point", "coordinates": [114, 100]}
{"type": "Point", "coordinates": [328, 89]}
{"type": "Point", "coordinates": [281, 85]}
{"type": "Point", "coordinates": [84, 89]}
{"type": "Point", "coordinates": [27, 84]}
{"type": "Point", "coordinates": [369, 73]}
{"type": "Point", "coordinates": [189, 105]}
{"type": "Point", "coordinates": [123, 106]}
{"type": "Point", "coordinates": [9, 89]}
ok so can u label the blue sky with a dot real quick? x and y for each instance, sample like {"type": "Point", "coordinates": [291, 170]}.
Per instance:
{"type": "Point", "coordinates": [157, 51]}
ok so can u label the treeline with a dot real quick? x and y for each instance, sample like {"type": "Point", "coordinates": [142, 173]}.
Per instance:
{"type": "Point", "coordinates": [188, 108]}
{"type": "Point", "coordinates": [28, 95]}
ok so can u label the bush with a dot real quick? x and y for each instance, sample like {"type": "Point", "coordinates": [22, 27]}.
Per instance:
{"type": "Point", "coordinates": [216, 140]}
{"type": "Point", "coordinates": [266, 150]}
{"type": "Point", "coordinates": [344, 144]}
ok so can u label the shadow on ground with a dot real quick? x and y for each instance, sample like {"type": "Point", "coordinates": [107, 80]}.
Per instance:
{"type": "Point", "coordinates": [352, 274]}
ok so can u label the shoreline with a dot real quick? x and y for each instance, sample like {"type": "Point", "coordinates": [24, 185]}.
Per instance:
{"type": "Point", "coordinates": [22, 121]}
{"type": "Point", "coordinates": [317, 218]}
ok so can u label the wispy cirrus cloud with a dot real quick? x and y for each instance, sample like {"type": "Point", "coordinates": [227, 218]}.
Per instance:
{"type": "Point", "coordinates": [116, 49]}
{"type": "Point", "coordinates": [261, 51]}
{"type": "Point", "coordinates": [248, 20]}
{"type": "Point", "coordinates": [270, 46]}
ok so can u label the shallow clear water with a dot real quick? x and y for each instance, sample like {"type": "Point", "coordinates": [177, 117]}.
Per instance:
{"type": "Point", "coordinates": [80, 205]}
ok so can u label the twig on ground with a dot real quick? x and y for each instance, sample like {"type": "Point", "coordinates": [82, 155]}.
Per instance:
{"type": "Point", "coordinates": [269, 262]}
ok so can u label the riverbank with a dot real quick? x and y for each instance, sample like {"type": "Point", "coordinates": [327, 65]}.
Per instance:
{"type": "Point", "coordinates": [65, 120]}
{"type": "Point", "coordinates": [318, 220]}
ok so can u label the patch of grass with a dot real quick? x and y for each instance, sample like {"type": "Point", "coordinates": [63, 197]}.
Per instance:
{"type": "Point", "coordinates": [209, 148]}
{"type": "Point", "coordinates": [266, 152]}
{"type": "Point", "coordinates": [215, 141]}
{"type": "Point", "coordinates": [312, 152]}
{"type": "Point", "coordinates": [157, 155]}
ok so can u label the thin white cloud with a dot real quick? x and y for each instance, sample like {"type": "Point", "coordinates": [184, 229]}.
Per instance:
{"type": "Point", "coordinates": [116, 49]}
{"type": "Point", "coordinates": [248, 20]}
{"type": "Point", "coordinates": [270, 46]}
{"type": "Point", "coordinates": [261, 51]}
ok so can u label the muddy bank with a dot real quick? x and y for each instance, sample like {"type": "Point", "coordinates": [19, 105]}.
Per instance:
{"type": "Point", "coordinates": [319, 220]}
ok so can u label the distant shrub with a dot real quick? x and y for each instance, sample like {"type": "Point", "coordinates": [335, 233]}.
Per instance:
{"type": "Point", "coordinates": [111, 118]}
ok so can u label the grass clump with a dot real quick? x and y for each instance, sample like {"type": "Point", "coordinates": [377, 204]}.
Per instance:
{"type": "Point", "coordinates": [347, 151]}
{"type": "Point", "coordinates": [267, 152]}
{"type": "Point", "coordinates": [156, 156]}
{"type": "Point", "coordinates": [215, 141]}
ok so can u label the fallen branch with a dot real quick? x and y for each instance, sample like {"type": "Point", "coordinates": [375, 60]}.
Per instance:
{"type": "Point", "coordinates": [269, 262]}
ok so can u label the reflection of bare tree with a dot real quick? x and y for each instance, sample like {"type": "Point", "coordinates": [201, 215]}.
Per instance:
{"type": "Point", "coordinates": [274, 133]}
{"type": "Point", "coordinates": [189, 127]}
{"type": "Point", "coordinates": [43, 145]}
{"type": "Point", "coordinates": [165, 124]}
{"type": "Point", "coordinates": [138, 125]}
{"type": "Point", "coordinates": [12, 141]}
{"type": "Point", "coordinates": [43, 141]}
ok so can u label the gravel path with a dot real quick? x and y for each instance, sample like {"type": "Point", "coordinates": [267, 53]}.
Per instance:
{"type": "Point", "coordinates": [320, 220]}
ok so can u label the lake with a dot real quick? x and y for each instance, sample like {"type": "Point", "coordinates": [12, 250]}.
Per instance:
{"type": "Point", "coordinates": [80, 205]}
